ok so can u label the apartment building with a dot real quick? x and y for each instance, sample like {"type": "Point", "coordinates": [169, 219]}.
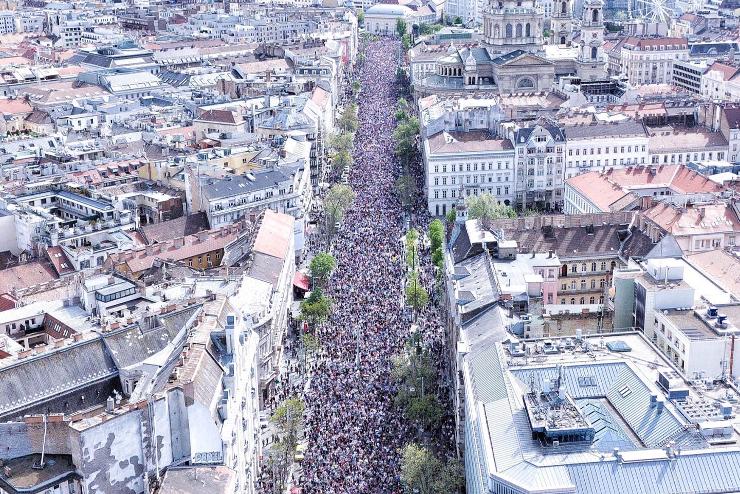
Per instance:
{"type": "Point", "coordinates": [599, 145]}
{"type": "Point", "coordinates": [540, 163]}
{"type": "Point", "coordinates": [464, 164]}
{"type": "Point", "coordinates": [650, 60]}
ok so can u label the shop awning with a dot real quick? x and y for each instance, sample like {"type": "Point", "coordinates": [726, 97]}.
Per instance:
{"type": "Point", "coordinates": [301, 281]}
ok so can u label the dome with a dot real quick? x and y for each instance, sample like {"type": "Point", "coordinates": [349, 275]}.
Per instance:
{"type": "Point", "coordinates": [388, 9]}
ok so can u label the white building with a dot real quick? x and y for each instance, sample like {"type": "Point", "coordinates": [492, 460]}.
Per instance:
{"type": "Point", "coordinates": [540, 163]}
{"type": "Point", "coordinates": [468, 163]}
{"type": "Point", "coordinates": [381, 18]}
{"type": "Point", "coordinates": [650, 60]}
{"type": "Point", "coordinates": [600, 146]}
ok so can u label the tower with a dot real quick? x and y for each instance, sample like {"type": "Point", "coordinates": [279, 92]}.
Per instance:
{"type": "Point", "coordinates": [591, 57]}
{"type": "Point", "coordinates": [510, 25]}
{"type": "Point", "coordinates": [561, 32]}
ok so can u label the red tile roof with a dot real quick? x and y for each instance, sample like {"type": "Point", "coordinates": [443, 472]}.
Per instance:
{"type": "Point", "coordinates": [26, 275]}
{"type": "Point", "coordinates": [60, 261]}
{"type": "Point", "coordinates": [697, 220]}
{"type": "Point", "coordinates": [274, 234]}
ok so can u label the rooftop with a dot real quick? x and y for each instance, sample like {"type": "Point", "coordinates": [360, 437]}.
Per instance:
{"type": "Point", "coordinates": [467, 142]}
{"type": "Point", "coordinates": [25, 476]}
{"type": "Point", "coordinates": [642, 443]}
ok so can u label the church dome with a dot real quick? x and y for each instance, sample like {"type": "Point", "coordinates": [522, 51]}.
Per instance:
{"type": "Point", "coordinates": [388, 9]}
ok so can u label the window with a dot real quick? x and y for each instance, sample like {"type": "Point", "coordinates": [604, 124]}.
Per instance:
{"type": "Point", "coordinates": [583, 267]}
{"type": "Point", "coordinates": [574, 268]}
{"type": "Point", "coordinates": [593, 266]}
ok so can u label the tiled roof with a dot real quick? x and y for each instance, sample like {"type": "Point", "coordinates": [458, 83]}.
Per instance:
{"type": "Point", "coordinates": [60, 261]}
{"type": "Point", "coordinates": [467, 142]}
{"type": "Point", "coordinates": [218, 116]}
{"type": "Point", "coordinates": [179, 227]}
{"type": "Point", "coordinates": [597, 130]}
{"type": "Point", "coordinates": [139, 260]}
{"type": "Point", "coordinates": [708, 218]}
{"type": "Point", "coordinates": [25, 275]}
{"type": "Point", "coordinates": [274, 235]}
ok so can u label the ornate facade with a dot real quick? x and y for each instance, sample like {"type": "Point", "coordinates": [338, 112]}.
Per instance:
{"type": "Point", "coordinates": [511, 57]}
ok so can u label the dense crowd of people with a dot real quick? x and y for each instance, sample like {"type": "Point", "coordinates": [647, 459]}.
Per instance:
{"type": "Point", "coordinates": [355, 433]}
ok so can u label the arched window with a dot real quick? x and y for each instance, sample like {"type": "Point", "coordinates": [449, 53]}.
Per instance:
{"type": "Point", "coordinates": [595, 16]}
{"type": "Point", "coordinates": [562, 40]}
{"type": "Point", "coordinates": [591, 300]}
{"type": "Point", "coordinates": [526, 83]}
{"type": "Point", "coordinates": [518, 30]}
{"type": "Point", "coordinates": [496, 31]}
{"type": "Point", "coordinates": [509, 31]}
{"type": "Point", "coordinates": [594, 52]}
{"type": "Point", "coordinates": [563, 8]}
{"type": "Point", "coordinates": [583, 300]}
{"type": "Point", "coordinates": [583, 267]}
{"type": "Point", "coordinates": [527, 30]}
{"type": "Point", "coordinates": [572, 301]}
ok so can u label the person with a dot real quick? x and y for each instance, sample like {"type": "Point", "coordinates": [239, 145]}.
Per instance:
{"type": "Point", "coordinates": [355, 433]}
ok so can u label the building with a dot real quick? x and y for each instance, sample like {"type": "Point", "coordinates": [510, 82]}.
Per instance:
{"type": "Point", "coordinates": [464, 164]}
{"type": "Point", "coordinates": [695, 228]}
{"type": "Point", "coordinates": [381, 18]}
{"type": "Point", "coordinates": [540, 162]}
{"type": "Point", "coordinates": [599, 146]}
{"type": "Point", "coordinates": [650, 60]}
{"type": "Point", "coordinates": [586, 450]}
{"type": "Point", "coordinates": [623, 189]}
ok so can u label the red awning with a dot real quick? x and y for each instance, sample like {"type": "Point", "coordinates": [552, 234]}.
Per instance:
{"type": "Point", "coordinates": [301, 281]}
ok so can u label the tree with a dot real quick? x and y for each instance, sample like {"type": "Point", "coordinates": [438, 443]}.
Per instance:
{"type": "Point", "coordinates": [340, 159]}
{"type": "Point", "coordinates": [416, 296]}
{"type": "Point", "coordinates": [485, 208]}
{"type": "Point", "coordinates": [342, 141]}
{"type": "Point", "coordinates": [356, 87]}
{"type": "Point", "coordinates": [424, 473]}
{"type": "Point", "coordinates": [438, 258]}
{"type": "Point", "coordinates": [406, 42]}
{"type": "Point", "coordinates": [361, 18]}
{"type": "Point", "coordinates": [336, 203]}
{"type": "Point", "coordinates": [347, 121]}
{"type": "Point", "coordinates": [310, 344]}
{"type": "Point", "coordinates": [451, 216]}
{"type": "Point", "coordinates": [419, 469]}
{"type": "Point", "coordinates": [458, 20]}
{"type": "Point", "coordinates": [402, 110]}
{"type": "Point", "coordinates": [406, 135]}
{"type": "Point", "coordinates": [316, 308]}
{"type": "Point", "coordinates": [451, 478]}
{"type": "Point", "coordinates": [288, 420]}
{"type": "Point", "coordinates": [411, 256]}
{"type": "Point", "coordinates": [401, 27]}
{"type": "Point", "coordinates": [321, 267]}
{"type": "Point", "coordinates": [436, 234]}
{"type": "Point", "coordinates": [406, 189]}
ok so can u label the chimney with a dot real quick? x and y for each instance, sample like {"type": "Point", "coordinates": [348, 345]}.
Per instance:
{"type": "Point", "coordinates": [110, 403]}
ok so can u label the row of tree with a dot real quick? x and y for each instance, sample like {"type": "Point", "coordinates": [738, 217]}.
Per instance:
{"type": "Point", "coordinates": [288, 423]}
{"type": "Point", "coordinates": [417, 390]}
{"type": "Point", "coordinates": [416, 296]}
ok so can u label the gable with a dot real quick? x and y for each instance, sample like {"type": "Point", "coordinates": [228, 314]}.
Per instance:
{"type": "Point", "coordinates": [526, 60]}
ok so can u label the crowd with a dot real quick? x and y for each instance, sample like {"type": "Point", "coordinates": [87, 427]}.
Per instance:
{"type": "Point", "coordinates": [355, 433]}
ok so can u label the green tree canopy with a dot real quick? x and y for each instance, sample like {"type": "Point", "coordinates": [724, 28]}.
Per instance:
{"type": "Point", "coordinates": [342, 141]}
{"type": "Point", "coordinates": [401, 27]}
{"type": "Point", "coordinates": [337, 201]}
{"type": "Point", "coordinates": [406, 136]}
{"type": "Point", "coordinates": [424, 473]}
{"type": "Point", "coordinates": [406, 189]}
{"type": "Point", "coordinates": [436, 234]}
{"type": "Point", "coordinates": [321, 267]}
{"type": "Point", "coordinates": [484, 207]}
{"type": "Point", "coordinates": [347, 121]}
{"type": "Point", "coordinates": [361, 18]}
{"type": "Point", "coordinates": [416, 295]}
{"type": "Point", "coordinates": [451, 216]}
{"type": "Point", "coordinates": [316, 308]}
